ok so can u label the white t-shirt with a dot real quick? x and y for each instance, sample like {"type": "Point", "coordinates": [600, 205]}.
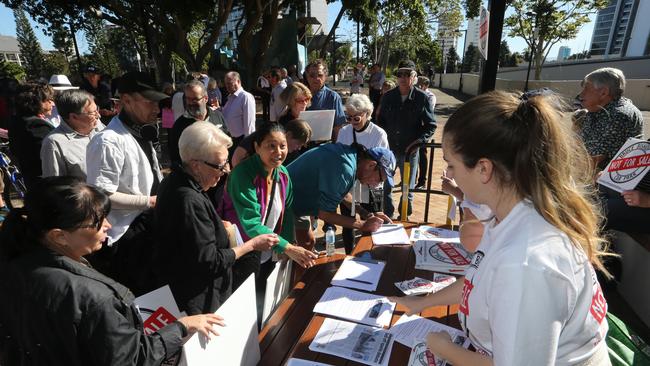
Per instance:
{"type": "Point", "coordinates": [116, 163]}
{"type": "Point", "coordinates": [178, 108]}
{"type": "Point", "coordinates": [530, 296]}
{"type": "Point", "coordinates": [277, 105]}
{"type": "Point", "coordinates": [371, 136]}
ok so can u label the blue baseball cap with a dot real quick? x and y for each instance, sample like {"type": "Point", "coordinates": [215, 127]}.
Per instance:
{"type": "Point", "coordinates": [386, 161]}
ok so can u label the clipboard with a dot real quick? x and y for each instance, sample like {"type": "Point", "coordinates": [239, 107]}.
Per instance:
{"type": "Point", "coordinates": [321, 123]}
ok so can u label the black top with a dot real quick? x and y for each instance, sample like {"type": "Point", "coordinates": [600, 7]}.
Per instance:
{"type": "Point", "coordinates": [25, 138]}
{"type": "Point", "coordinates": [406, 121]}
{"type": "Point", "coordinates": [192, 254]}
{"type": "Point", "coordinates": [57, 311]}
{"type": "Point", "coordinates": [180, 125]}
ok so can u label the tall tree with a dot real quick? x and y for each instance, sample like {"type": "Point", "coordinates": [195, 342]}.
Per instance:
{"type": "Point", "coordinates": [543, 23]}
{"type": "Point", "coordinates": [472, 59]}
{"type": "Point", "coordinates": [504, 54]}
{"type": "Point", "coordinates": [101, 54]}
{"type": "Point", "coordinates": [30, 49]}
{"type": "Point", "coordinates": [451, 60]}
{"type": "Point", "coordinates": [61, 40]}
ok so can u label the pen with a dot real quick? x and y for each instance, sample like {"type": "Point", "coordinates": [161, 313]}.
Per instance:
{"type": "Point", "coordinates": [360, 281]}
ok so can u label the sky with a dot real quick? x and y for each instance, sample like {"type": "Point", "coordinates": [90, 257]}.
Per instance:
{"type": "Point", "coordinates": [346, 28]}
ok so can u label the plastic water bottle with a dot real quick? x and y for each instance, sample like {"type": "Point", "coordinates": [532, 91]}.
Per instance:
{"type": "Point", "coordinates": [330, 239]}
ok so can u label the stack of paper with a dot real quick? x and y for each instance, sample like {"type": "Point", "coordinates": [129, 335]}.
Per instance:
{"type": "Point", "coordinates": [433, 233]}
{"type": "Point", "coordinates": [301, 362]}
{"type": "Point", "coordinates": [413, 329]}
{"type": "Point", "coordinates": [441, 256]}
{"type": "Point", "coordinates": [359, 273]}
{"type": "Point", "coordinates": [390, 234]}
{"type": "Point", "coordinates": [419, 286]}
{"type": "Point", "coordinates": [356, 306]}
{"type": "Point", "coordinates": [356, 342]}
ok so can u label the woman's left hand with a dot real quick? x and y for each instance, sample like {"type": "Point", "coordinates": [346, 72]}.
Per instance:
{"type": "Point", "coordinates": [437, 341]}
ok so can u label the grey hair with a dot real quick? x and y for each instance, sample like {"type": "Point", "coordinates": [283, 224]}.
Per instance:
{"type": "Point", "coordinates": [359, 103]}
{"type": "Point", "coordinates": [609, 77]}
{"type": "Point", "coordinates": [197, 84]}
{"type": "Point", "coordinates": [71, 101]}
{"type": "Point", "coordinates": [200, 140]}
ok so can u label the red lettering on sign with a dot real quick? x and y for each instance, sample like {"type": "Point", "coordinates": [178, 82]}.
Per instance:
{"type": "Point", "coordinates": [629, 163]}
{"type": "Point", "coordinates": [453, 254]}
{"type": "Point", "coordinates": [598, 305]}
{"type": "Point", "coordinates": [464, 303]}
{"type": "Point", "coordinates": [157, 320]}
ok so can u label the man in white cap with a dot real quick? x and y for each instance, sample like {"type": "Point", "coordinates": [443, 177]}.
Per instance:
{"type": "Point", "coordinates": [58, 83]}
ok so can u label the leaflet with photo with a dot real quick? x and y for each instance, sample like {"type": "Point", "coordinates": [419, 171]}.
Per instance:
{"type": "Point", "coordinates": [425, 232]}
{"type": "Point", "coordinates": [419, 286]}
{"type": "Point", "coordinates": [356, 342]}
{"type": "Point", "coordinates": [410, 330]}
{"type": "Point", "coordinates": [421, 356]}
{"type": "Point", "coordinates": [357, 306]}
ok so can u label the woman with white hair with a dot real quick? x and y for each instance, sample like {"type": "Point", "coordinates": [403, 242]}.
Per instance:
{"type": "Point", "coordinates": [193, 254]}
{"type": "Point", "coordinates": [358, 111]}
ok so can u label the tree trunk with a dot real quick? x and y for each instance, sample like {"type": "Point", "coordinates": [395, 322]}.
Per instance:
{"type": "Point", "coordinates": [253, 13]}
{"type": "Point", "coordinates": [269, 21]}
{"type": "Point", "coordinates": [323, 50]}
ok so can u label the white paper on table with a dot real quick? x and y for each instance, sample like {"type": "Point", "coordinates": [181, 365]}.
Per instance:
{"type": "Point", "coordinates": [629, 167]}
{"type": "Point", "coordinates": [389, 234]}
{"type": "Point", "coordinates": [359, 307]}
{"type": "Point", "coordinates": [278, 285]}
{"type": "Point", "coordinates": [413, 329]}
{"type": "Point", "coordinates": [301, 362]}
{"type": "Point", "coordinates": [434, 233]}
{"type": "Point", "coordinates": [157, 309]}
{"type": "Point", "coordinates": [363, 274]}
{"type": "Point", "coordinates": [237, 343]}
{"type": "Point", "coordinates": [356, 342]}
{"type": "Point", "coordinates": [321, 123]}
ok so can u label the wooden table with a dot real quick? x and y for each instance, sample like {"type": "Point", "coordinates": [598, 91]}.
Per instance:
{"type": "Point", "coordinates": [293, 325]}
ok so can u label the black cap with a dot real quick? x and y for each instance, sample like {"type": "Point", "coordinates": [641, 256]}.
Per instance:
{"type": "Point", "coordinates": [141, 83]}
{"type": "Point", "coordinates": [406, 64]}
{"type": "Point", "coordinates": [92, 69]}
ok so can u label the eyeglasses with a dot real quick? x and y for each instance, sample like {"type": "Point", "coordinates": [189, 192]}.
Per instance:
{"type": "Point", "coordinates": [91, 113]}
{"type": "Point", "coordinates": [404, 74]}
{"type": "Point", "coordinates": [356, 118]}
{"type": "Point", "coordinates": [222, 168]}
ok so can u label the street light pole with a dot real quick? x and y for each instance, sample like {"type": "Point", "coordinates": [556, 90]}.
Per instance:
{"type": "Point", "coordinates": [462, 63]}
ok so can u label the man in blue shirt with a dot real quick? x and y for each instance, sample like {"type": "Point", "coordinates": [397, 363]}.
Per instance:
{"type": "Point", "coordinates": [324, 98]}
{"type": "Point", "coordinates": [323, 177]}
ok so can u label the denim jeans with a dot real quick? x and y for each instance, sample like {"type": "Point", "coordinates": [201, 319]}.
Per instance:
{"type": "Point", "coordinates": [389, 208]}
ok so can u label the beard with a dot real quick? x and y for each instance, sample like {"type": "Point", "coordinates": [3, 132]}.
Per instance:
{"type": "Point", "coordinates": [197, 111]}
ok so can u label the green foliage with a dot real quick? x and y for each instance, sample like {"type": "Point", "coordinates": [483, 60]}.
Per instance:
{"type": "Point", "coordinates": [580, 56]}
{"type": "Point", "coordinates": [344, 58]}
{"type": "Point", "coordinates": [55, 63]}
{"type": "Point", "coordinates": [451, 60]}
{"type": "Point", "coordinates": [101, 54]}
{"type": "Point", "coordinates": [11, 70]}
{"type": "Point", "coordinates": [62, 40]}
{"type": "Point", "coordinates": [30, 48]}
{"type": "Point", "coordinates": [472, 8]}
{"type": "Point", "coordinates": [472, 59]}
{"type": "Point", "coordinates": [504, 54]}
{"type": "Point", "coordinates": [554, 20]}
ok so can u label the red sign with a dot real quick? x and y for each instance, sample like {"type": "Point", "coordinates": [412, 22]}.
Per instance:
{"type": "Point", "coordinates": [157, 320]}
{"type": "Point", "coordinates": [453, 254]}
{"type": "Point", "coordinates": [629, 163]}
{"type": "Point", "coordinates": [464, 304]}
{"type": "Point", "coordinates": [598, 305]}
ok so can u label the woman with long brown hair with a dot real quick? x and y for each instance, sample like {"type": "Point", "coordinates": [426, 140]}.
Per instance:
{"type": "Point", "coordinates": [530, 295]}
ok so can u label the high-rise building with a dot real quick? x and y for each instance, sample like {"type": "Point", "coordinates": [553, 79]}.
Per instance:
{"type": "Point", "coordinates": [621, 29]}
{"type": "Point", "coordinates": [563, 53]}
{"type": "Point", "coordinates": [448, 38]}
{"type": "Point", "coordinates": [472, 33]}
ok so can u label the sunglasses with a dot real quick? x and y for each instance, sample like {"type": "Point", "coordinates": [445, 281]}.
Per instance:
{"type": "Point", "coordinates": [353, 118]}
{"type": "Point", "coordinates": [403, 74]}
{"type": "Point", "coordinates": [305, 100]}
{"type": "Point", "coordinates": [221, 168]}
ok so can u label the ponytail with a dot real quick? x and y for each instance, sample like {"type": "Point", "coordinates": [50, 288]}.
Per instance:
{"type": "Point", "coordinates": [535, 151]}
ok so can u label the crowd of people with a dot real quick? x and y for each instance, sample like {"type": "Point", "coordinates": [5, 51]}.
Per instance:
{"type": "Point", "coordinates": [102, 223]}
